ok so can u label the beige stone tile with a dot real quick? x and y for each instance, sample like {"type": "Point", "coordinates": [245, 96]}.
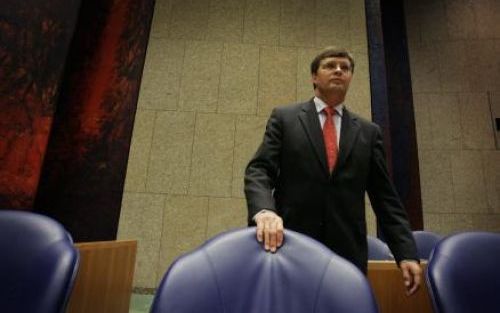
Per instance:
{"type": "Point", "coordinates": [277, 78]}
{"type": "Point", "coordinates": [184, 228]}
{"type": "Point", "coordinates": [331, 31]}
{"type": "Point", "coordinates": [239, 79]}
{"type": "Point", "coordinates": [491, 164]}
{"type": "Point", "coordinates": [371, 220]}
{"type": "Point", "coordinates": [433, 22]}
{"type": "Point", "coordinates": [297, 23]}
{"type": "Point", "coordinates": [140, 219]}
{"type": "Point", "coordinates": [423, 124]}
{"type": "Point", "coordinates": [262, 22]}
{"type": "Point", "coordinates": [445, 121]}
{"type": "Point", "coordinates": [436, 181]}
{"type": "Point", "coordinates": [493, 84]}
{"type": "Point", "coordinates": [137, 210]}
{"type": "Point", "coordinates": [452, 66]}
{"type": "Point", "coordinates": [225, 214]}
{"type": "Point", "coordinates": [248, 137]}
{"type": "Point", "coordinates": [447, 224]}
{"type": "Point", "coordinates": [460, 19]}
{"type": "Point", "coordinates": [188, 19]}
{"type": "Point", "coordinates": [358, 39]}
{"type": "Point", "coordinates": [358, 97]}
{"type": "Point", "coordinates": [469, 182]}
{"type": "Point", "coordinates": [159, 25]}
{"type": "Point", "coordinates": [140, 147]}
{"type": "Point", "coordinates": [228, 4]}
{"type": "Point", "coordinates": [171, 152]}
{"type": "Point", "coordinates": [412, 7]}
{"type": "Point", "coordinates": [483, 66]}
{"type": "Point", "coordinates": [413, 30]}
{"type": "Point", "coordinates": [487, 14]}
{"type": "Point", "coordinates": [476, 123]}
{"type": "Point", "coordinates": [212, 163]}
{"type": "Point", "coordinates": [162, 73]}
{"type": "Point", "coordinates": [200, 76]}
{"type": "Point", "coordinates": [305, 89]}
{"type": "Point", "coordinates": [225, 23]}
{"type": "Point", "coordinates": [486, 222]}
{"type": "Point", "coordinates": [337, 7]}
{"type": "Point", "coordinates": [424, 70]}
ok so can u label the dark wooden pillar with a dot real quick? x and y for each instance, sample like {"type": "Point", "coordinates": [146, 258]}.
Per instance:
{"type": "Point", "coordinates": [84, 170]}
{"type": "Point", "coordinates": [392, 100]}
{"type": "Point", "coordinates": [34, 40]}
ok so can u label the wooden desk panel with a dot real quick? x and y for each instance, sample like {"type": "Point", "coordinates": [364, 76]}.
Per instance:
{"type": "Point", "coordinates": [104, 279]}
{"type": "Point", "coordinates": [387, 283]}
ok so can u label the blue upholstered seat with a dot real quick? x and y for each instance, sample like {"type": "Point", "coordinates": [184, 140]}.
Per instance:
{"type": "Point", "coordinates": [233, 274]}
{"type": "Point", "coordinates": [463, 273]}
{"type": "Point", "coordinates": [38, 263]}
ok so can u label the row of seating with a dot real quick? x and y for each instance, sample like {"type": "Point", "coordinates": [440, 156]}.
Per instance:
{"type": "Point", "coordinates": [231, 273]}
{"type": "Point", "coordinates": [425, 240]}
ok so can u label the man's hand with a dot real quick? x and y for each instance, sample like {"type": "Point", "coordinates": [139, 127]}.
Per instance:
{"type": "Point", "coordinates": [269, 230]}
{"type": "Point", "coordinates": [412, 275]}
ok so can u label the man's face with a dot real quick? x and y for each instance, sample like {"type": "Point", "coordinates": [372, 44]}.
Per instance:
{"type": "Point", "coordinates": [334, 75]}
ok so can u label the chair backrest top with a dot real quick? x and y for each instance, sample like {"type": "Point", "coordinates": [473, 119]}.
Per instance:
{"type": "Point", "coordinates": [463, 273]}
{"type": "Point", "coordinates": [377, 249]}
{"type": "Point", "coordinates": [38, 263]}
{"type": "Point", "coordinates": [232, 273]}
{"type": "Point", "coordinates": [426, 241]}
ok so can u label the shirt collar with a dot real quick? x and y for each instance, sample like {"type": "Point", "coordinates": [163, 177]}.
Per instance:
{"type": "Point", "coordinates": [320, 105]}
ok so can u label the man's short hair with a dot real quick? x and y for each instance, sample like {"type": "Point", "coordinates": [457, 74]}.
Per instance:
{"type": "Point", "coordinates": [331, 52]}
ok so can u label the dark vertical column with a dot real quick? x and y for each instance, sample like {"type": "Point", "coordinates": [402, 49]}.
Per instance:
{"type": "Point", "coordinates": [392, 101]}
{"type": "Point", "coordinates": [84, 170]}
{"type": "Point", "coordinates": [34, 40]}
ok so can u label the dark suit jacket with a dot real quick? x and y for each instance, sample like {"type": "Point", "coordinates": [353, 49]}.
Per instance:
{"type": "Point", "coordinates": [289, 175]}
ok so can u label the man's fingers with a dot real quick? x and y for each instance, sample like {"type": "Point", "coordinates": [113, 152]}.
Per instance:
{"type": "Point", "coordinates": [266, 235]}
{"type": "Point", "coordinates": [279, 234]}
{"type": "Point", "coordinates": [416, 278]}
{"type": "Point", "coordinates": [272, 236]}
{"type": "Point", "coordinates": [411, 276]}
{"type": "Point", "coordinates": [406, 277]}
{"type": "Point", "coordinates": [269, 230]}
{"type": "Point", "coordinates": [260, 231]}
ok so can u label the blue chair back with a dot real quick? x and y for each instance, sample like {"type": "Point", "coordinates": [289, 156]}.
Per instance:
{"type": "Point", "coordinates": [426, 241]}
{"type": "Point", "coordinates": [378, 250]}
{"type": "Point", "coordinates": [233, 274]}
{"type": "Point", "coordinates": [38, 263]}
{"type": "Point", "coordinates": [463, 273]}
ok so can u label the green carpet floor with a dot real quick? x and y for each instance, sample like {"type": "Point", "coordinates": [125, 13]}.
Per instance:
{"type": "Point", "coordinates": [140, 303]}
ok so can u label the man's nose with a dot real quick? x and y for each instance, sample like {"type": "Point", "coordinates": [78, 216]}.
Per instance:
{"type": "Point", "coordinates": [337, 69]}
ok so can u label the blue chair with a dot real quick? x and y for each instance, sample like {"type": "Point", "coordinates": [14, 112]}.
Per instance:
{"type": "Point", "coordinates": [232, 273]}
{"type": "Point", "coordinates": [426, 241]}
{"type": "Point", "coordinates": [463, 273]}
{"type": "Point", "coordinates": [38, 263]}
{"type": "Point", "coordinates": [378, 250]}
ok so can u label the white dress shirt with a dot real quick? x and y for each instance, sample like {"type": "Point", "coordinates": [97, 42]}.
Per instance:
{"type": "Point", "coordinates": [337, 118]}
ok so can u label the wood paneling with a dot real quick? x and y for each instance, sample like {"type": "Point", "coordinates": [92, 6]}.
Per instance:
{"type": "Point", "coordinates": [387, 283]}
{"type": "Point", "coordinates": [104, 279]}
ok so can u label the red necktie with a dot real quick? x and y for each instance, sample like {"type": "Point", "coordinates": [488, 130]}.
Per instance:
{"type": "Point", "coordinates": [330, 137]}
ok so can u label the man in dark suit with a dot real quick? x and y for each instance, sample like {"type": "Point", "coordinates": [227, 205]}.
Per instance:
{"type": "Point", "coordinates": [312, 170]}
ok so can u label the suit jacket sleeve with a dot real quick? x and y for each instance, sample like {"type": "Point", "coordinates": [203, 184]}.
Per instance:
{"type": "Point", "coordinates": [391, 215]}
{"type": "Point", "coordinates": [263, 169]}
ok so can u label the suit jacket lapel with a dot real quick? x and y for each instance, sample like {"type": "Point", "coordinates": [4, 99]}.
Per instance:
{"type": "Point", "coordinates": [310, 121]}
{"type": "Point", "coordinates": [348, 134]}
